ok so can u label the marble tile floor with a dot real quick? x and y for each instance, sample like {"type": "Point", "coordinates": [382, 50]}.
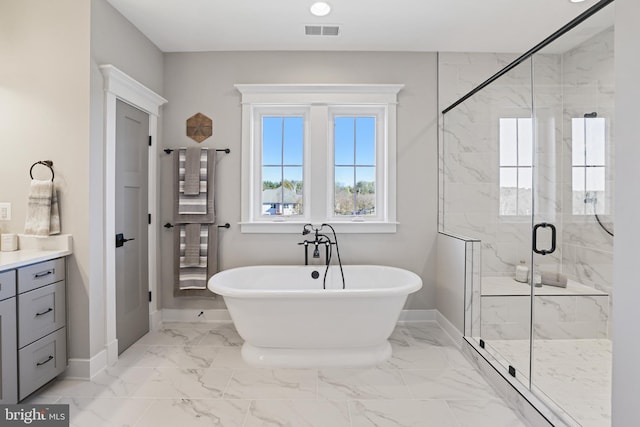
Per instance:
{"type": "Point", "coordinates": [193, 375]}
{"type": "Point", "coordinates": [573, 373]}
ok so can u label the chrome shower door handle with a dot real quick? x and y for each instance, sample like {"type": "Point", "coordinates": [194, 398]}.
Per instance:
{"type": "Point", "coordinates": [535, 238]}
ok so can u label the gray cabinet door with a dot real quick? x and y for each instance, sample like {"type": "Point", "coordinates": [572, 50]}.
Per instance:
{"type": "Point", "coordinates": [8, 355]}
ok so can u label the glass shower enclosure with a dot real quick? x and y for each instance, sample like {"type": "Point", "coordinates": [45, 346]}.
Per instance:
{"type": "Point", "coordinates": [526, 169]}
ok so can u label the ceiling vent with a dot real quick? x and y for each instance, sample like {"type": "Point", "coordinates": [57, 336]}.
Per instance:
{"type": "Point", "coordinates": [322, 30]}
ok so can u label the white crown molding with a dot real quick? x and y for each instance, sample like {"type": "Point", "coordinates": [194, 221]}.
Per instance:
{"type": "Point", "coordinates": [130, 90]}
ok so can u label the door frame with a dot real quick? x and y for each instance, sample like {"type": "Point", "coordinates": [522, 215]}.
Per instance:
{"type": "Point", "coordinates": [118, 85]}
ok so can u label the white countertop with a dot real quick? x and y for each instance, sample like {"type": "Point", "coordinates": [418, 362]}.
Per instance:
{"type": "Point", "coordinates": [15, 259]}
{"type": "Point", "coordinates": [36, 249]}
{"type": "Point", "coordinates": [508, 286]}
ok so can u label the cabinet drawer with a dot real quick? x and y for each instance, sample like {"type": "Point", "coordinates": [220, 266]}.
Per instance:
{"type": "Point", "coordinates": [7, 284]}
{"type": "Point", "coordinates": [41, 274]}
{"type": "Point", "coordinates": [40, 312]}
{"type": "Point", "coordinates": [42, 361]}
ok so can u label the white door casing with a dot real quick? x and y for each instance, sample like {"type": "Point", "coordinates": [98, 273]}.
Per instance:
{"type": "Point", "coordinates": [118, 85]}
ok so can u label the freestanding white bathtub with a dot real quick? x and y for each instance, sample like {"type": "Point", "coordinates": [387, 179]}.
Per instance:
{"type": "Point", "coordinates": [287, 319]}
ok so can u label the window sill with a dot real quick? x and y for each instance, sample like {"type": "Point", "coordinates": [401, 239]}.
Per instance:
{"type": "Point", "coordinates": [341, 227]}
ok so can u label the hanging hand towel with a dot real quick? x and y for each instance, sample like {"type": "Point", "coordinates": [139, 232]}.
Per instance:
{"type": "Point", "coordinates": [195, 209]}
{"type": "Point", "coordinates": [191, 279]}
{"type": "Point", "coordinates": [193, 164]}
{"type": "Point", "coordinates": [43, 218]}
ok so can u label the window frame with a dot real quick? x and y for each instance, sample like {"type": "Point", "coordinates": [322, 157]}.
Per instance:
{"type": "Point", "coordinates": [584, 167]}
{"type": "Point", "coordinates": [517, 217]}
{"type": "Point", "coordinates": [287, 111]}
{"type": "Point", "coordinates": [381, 149]}
{"type": "Point", "coordinates": [319, 99]}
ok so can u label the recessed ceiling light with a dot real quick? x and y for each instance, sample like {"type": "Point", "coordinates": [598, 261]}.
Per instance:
{"type": "Point", "coordinates": [320, 8]}
{"type": "Point", "coordinates": [576, 1]}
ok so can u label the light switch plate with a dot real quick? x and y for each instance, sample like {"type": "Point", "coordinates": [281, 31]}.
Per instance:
{"type": "Point", "coordinates": [5, 211]}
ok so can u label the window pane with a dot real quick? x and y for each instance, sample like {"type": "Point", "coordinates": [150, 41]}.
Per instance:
{"type": "Point", "coordinates": [578, 178]}
{"type": "Point", "coordinates": [292, 191]}
{"type": "Point", "coordinates": [525, 178]}
{"type": "Point", "coordinates": [508, 142]}
{"type": "Point", "coordinates": [366, 141]}
{"type": "Point", "coordinates": [595, 179]}
{"type": "Point", "coordinates": [271, 190]}
{"type": "Point", "coordinates": [524, 191]}
{"type": "Point", "coordinates": [344, 140]}
{"type": "Point", "coordinates": [577, 142]}
{"type": "Point", "coordinates": [343, 197]}
{"type": "Point", "coordinates": [595, 141]}
{"type": "Point", "coordinates": [293, 140]}
{"type": "Point", "coordinates": [508, 191]}
{"type": "Point", "coordinates": [271, 177]}
{"type": "Point", "coordinates": [365, 191]}
{"type": "Point", "coordinates": [272, 140]}
{"type": "Point", "coordinates": [525, 142]}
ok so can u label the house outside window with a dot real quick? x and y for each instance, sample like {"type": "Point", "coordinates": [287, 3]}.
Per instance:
{"type": "Point", "coordinates": [316, 154]}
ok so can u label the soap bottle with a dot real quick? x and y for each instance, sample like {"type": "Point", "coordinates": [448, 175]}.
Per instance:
{"type": "Point", "coordinates": [522, 272]}
{"type": "Point", "coordinates": [537, 276]}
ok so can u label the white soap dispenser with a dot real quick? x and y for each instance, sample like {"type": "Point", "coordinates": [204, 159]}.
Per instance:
{"type": "Point", "coordinates": [522, 272]}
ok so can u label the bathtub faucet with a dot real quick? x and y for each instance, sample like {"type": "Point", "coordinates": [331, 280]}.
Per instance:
{"type": "Point", "coordinates": [321, 239]}
{"type": "Point", "coordinates": [318, 241]}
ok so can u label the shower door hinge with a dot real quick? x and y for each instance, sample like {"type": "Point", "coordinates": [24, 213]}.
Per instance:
{"type": "Point", "coordinates": [149, 219]}
{"type": "Point", "coordinates": [481, 343]}
{"type": "Point", "coordinates": [149, 296]}
{"type": "Point", "coordinates": [512, 371]}
{"type": "Point", "coordinates": [149, 140]}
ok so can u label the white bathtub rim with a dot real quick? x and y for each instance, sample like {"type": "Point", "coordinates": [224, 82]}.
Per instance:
{"type": "Point", "coordinates": [414, 283]}
{"type": "Point", "coordinates": [353, 357]}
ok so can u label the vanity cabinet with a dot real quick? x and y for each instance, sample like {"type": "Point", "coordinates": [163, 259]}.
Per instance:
{"type": "Point", "coordinates": [42, 337]}
{"type": "Point", "coordinates": [8, 339]}
{"type": "Point", "coordinates": [33, 332]}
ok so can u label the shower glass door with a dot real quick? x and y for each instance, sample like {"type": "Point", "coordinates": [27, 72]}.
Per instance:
{"type": "Point", "coordinates": [573, 98]}
{"type": "Point", "coordinates": [487, 187]}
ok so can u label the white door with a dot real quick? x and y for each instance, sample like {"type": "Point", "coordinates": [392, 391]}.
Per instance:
{"type": "Point", "coordinates": [131, 218]}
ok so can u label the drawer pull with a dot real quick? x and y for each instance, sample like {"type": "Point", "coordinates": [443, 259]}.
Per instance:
{"type": "Point", "coordinates": [44, 312]}
{"type": "Point", "coordinates": [49, 359]}
{"type": "Point", "coordinates": [44, 273]}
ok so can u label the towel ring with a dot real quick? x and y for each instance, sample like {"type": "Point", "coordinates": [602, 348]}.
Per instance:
{"type": "Point", "coordinates": [47, 163]}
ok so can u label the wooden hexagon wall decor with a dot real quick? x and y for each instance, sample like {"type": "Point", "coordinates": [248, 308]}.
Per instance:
{"type": "Point", "coordinates": [199, 127]}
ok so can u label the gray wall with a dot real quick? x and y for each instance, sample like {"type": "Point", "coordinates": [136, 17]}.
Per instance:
{"type": "Point", "coordinates": [626, 347]}
{"type": "Point", "coordinates": [203, 82]}
{"type": "Point", "coordinates": [114, 40]}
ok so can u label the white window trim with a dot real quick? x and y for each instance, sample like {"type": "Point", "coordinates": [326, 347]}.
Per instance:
{"type": "Point", "coordinates": [319, 98]}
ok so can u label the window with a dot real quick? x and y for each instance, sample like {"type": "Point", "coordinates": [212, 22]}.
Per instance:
{"type": "Point", "coordinates": [588, 165]}
{"type": "Point", "coordinates": [516, 166]}
{"type": "Point", "coordinates": [354, 165]}
{"type": "Point", "coordinates": [318, 153]}
{"type": "Point", "coordinates": [282, 165]}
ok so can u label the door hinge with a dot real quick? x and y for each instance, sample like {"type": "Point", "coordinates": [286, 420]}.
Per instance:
{"type": "Point", "coordinates": [149, 296]}
{"type": "Point", "coordinates": [150, 140]}
{"type": "Point", "coordinates": [149, 219]}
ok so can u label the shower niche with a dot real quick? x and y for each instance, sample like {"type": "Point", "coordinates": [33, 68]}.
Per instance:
{"type": "Point", "coordinates": [526, 172]}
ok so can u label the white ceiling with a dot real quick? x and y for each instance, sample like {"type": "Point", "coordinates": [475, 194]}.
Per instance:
{"type": "Point", "coordinates": [366, 25]}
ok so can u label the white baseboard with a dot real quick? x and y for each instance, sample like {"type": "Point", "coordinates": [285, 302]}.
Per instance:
{"type": "Point", "coordinates": [155, 319]}
{"type": "Point", "coordinates": [86, 369]}
{"type": "Point", "coordinates": [449, 328]}
{"type": "Point", "coordinates": [417, 316]}
{"type": "Point", "coordinates": [222, 315]}
{"type": "Point", "coordinates": [195, 315]}
{"type": "Point", "coordinates": [112, 352]}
